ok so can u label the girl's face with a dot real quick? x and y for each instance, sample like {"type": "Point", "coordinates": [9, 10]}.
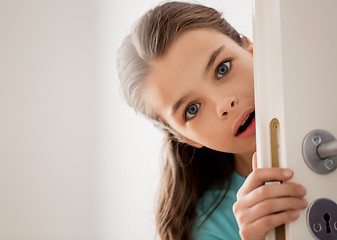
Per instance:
{"type": "Point", "coordinates": [204, 89]}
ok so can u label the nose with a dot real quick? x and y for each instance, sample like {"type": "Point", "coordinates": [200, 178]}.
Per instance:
{"type": "Point", "coordinates": [225, 106]}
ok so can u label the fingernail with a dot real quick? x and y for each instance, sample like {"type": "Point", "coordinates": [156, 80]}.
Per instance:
{"type": "Point", "coordinates": [287, 172]}
{"type": "Point", "coordinates": [294, 215]}
{"type": "Point", "coordinates": [301, 191]}
{"type": "Point", "coordinates": [303, 203]}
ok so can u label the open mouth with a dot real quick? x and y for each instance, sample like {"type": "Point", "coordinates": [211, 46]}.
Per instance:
{"type": "Point", "coordinates": [246, 124]}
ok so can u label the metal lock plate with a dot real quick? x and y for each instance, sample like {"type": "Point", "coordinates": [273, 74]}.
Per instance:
{"type": "Point", "coordinates": [322, 219]}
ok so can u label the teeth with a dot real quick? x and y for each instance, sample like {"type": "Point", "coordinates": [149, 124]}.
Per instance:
{"type": "Point", "coordinates": [243, 123]}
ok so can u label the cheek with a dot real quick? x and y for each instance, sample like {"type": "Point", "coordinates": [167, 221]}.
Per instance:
{"type": "Point", "coordinates": [247, 80]}
{"type": "Point", "coordinates": [212, 134]}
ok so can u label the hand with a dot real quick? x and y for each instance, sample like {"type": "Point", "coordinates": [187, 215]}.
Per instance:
{"type": "Point", "coordinates": [260, 208]}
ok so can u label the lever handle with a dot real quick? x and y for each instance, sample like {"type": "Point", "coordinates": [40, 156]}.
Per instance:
{"type": "Point", "coordinates": [319, 150]}
{"type": "Point", "coordinates": [328, 149]}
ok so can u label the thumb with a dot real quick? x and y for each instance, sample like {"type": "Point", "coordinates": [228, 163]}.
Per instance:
{"type": "Point", "coordinates": [254, 161]}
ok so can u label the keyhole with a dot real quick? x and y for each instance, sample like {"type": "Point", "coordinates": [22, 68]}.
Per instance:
{"type": "Point", "coordinates": [327, 222]}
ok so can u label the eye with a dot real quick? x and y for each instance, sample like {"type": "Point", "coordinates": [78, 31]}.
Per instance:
{"type": "Point", "coordinates": [223, 68]}
{"type": "Point", "coordinates": [191, 111]}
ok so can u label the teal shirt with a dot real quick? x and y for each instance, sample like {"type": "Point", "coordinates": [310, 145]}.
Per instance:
{"type": "Point", "coordinates": [221, 224]}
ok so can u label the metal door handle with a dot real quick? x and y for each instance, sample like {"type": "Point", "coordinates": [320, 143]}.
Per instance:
{"type": "Point", "coordinates": [319, 151]}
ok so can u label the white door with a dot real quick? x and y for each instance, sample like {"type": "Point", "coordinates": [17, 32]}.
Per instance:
{"type": "Point", "coordinates": [295, 61]}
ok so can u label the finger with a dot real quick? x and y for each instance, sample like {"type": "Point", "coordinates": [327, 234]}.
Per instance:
{"type": "Point", "coordinates": [274, 191]}
{"type": "Point", "coordinates": [261, 175]}
{"type": "Point", "coordinates": [274, 206]}
{"type": "Point", "coordinates": [254, 161]}
{"type": "Point", "coordinates": [260, 228]}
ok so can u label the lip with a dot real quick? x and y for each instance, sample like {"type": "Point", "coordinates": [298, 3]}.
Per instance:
{"type": "Point", "coordinates": [242, 118]}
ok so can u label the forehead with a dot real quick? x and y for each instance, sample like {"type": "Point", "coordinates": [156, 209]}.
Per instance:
{"type": "Point", "coordinates": [186, 59]}
{"type": "Point", "coordinates": [195, 42]}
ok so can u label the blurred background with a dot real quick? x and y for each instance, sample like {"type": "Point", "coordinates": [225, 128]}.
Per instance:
{"type": "Point", "coordinates": [75, 161]}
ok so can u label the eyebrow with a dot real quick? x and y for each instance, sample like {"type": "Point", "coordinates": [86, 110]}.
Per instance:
{"type": "Point", "coordinates": [177, 105]}
{"type": "Point", "coordinates": [213, 57]}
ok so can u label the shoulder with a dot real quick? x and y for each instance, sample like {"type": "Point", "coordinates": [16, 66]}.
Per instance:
{"type": "Point", "coordinates": [221, 224]}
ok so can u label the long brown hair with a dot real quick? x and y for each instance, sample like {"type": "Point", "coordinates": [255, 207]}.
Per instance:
{"type": "Point", "coordinates": [187, 171]}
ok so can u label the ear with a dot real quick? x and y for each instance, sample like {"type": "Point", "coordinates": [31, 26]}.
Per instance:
{"type": "Point", "coordinates": [247, 44]}
{"type": "Point", "coordinates": [192, 143]}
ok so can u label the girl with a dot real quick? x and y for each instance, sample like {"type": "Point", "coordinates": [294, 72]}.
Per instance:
{"type": "Point", "coordinates": [185, 68]}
